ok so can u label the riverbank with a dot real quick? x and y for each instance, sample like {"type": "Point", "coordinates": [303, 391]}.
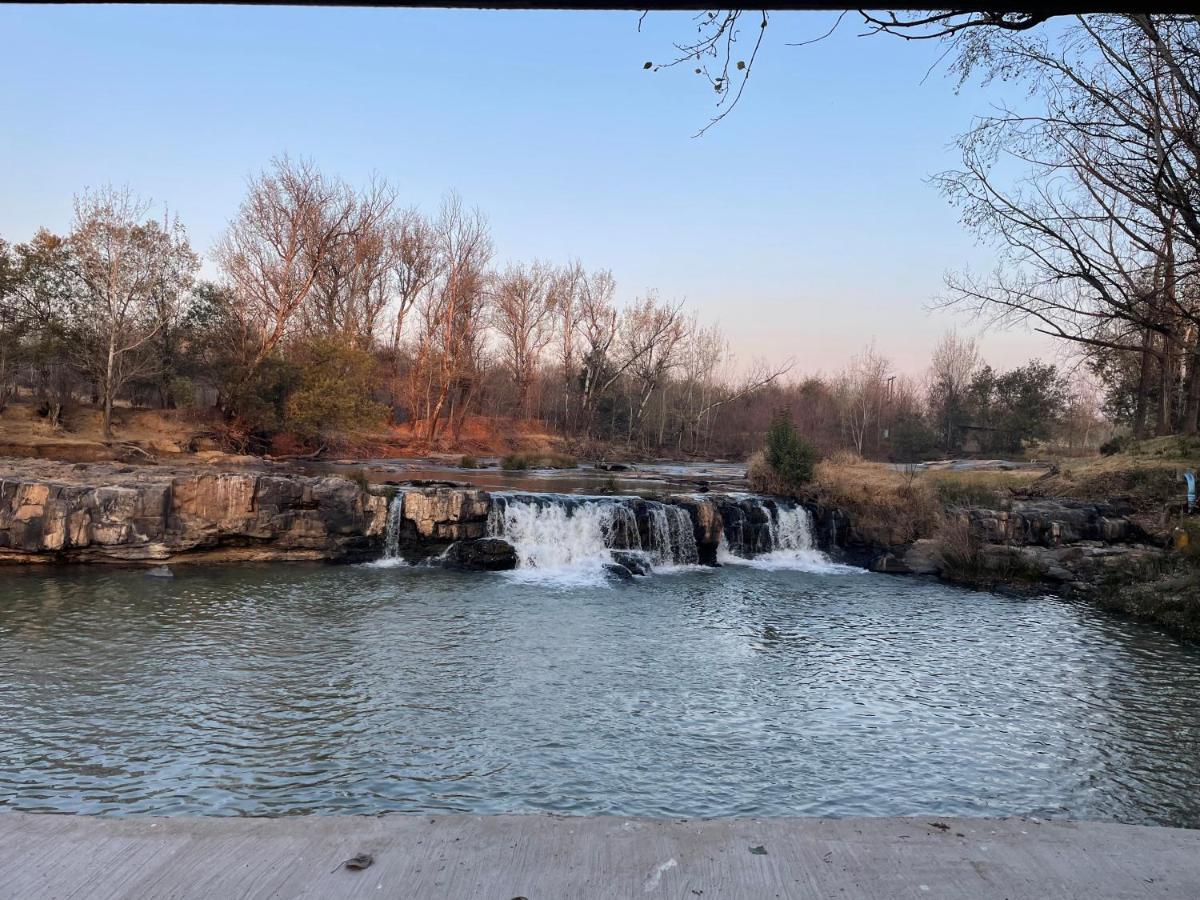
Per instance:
{"type": "Point", "coordinates": [1111, 531]}
{"type": "Point", "coordinates": [506, 857]}
{"type": "Point", "coordinates": [1023, 530]}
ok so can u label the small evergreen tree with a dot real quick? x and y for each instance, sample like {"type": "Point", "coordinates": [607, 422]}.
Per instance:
{"type": "Point", "coordinates": [790, 457]}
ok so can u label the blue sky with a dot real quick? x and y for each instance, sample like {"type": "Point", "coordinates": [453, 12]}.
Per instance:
{"type": "Point", "coordinates": [803, 223]}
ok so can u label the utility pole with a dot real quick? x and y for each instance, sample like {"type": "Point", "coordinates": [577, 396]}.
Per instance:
{"type": "Point", "coordinates": [891, 385]}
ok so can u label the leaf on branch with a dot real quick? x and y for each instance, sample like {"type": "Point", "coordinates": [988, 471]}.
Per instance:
{"type": "Point", "coordinates": [648, 65]}
{"type": "Point", "coordinates": [741, 64]}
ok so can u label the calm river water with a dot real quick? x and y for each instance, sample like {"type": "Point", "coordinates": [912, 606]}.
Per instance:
{"type": "Point", "coordinates": [737, 691]}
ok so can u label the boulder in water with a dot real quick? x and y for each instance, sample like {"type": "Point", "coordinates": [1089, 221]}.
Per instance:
{"type": "Point", "coordinates": [160, 572]}
{"type": "Point", "coordinates": [482, 555]}
{"type": "Point", "coordinates": [889, 564]}
{"type": "Point", "coordinates": [618, 571]}
{"type": "Point", "coordinates": [636, 563]}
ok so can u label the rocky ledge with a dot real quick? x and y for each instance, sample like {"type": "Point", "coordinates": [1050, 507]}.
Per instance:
{"type": "Point", "coordinates": [1067, 546]}
{"type": "Point", "coordinates": [59, 512]}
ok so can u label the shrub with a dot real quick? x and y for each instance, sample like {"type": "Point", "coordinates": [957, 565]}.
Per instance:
{"type": "Point", "coordinates": [334, 391]}
{"type": "Point", "coordinates": [468, 462]}
{"type": "Point", "coordinates": [1114, 445]}
{"type": "Point", "coordinates": [964, 561]}
{"type": "Point", "coordinates": [790, 458]}
{"type": "Point", "coordinates": [913, 441]}
{"type": "Point", "coordinates": [518, 462]}
{"type": "Point", "coordinates": [183, 391]}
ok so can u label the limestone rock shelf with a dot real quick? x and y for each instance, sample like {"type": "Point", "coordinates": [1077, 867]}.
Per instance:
{"type": "Point", "coordinates": [58, 512]}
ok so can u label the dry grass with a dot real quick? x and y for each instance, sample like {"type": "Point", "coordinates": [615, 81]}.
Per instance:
{"type": "Point", "coordinates": [24, 433]}
{"type": "Point", "coordinates": [1149, 477]}
{"type": "Point", "coordinates": [481, 436]}
{"type": "Point", "coordinates": [894, 505]}
{"type": "Point", "coordinates": [887, 506]}
{"type": "Point", "coordinates": [521, 461]}
{"type": "Point", "coordinates": [958, 488]}
{"type": "Point", "coordinates": [765, 480]}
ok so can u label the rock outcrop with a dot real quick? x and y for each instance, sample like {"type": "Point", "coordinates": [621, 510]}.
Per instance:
{"type": "Point", "coordinates": [55, 512]}
{"type": "Point", "coordinates": [432, 517]}
{"type": "Point", "coordinates": [1053, 523]}
{"type": "Point", "coordinates": [1062, 545]}
{"type": "Point", "coordinates": [483, 555]}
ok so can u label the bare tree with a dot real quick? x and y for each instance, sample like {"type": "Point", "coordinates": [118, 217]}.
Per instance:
{"type": "Point", "coordinates": [453, 317]}
{"type": "Point", "coordinates": [37, 292]}
{"type": "Point", "coordinates": [354, 274]}
{"type": "Point", "coordinates": [566, 288]}
{"type": "Point", "coordinates": [291, 224]}
{"type": "Point", "coordinates": [416, 265]}
{"type": "Point", "coordinates": [523, 307]}
{"type": "Point", "coordinates": [652, 337]}
{"type": "Point", "coordinates": [1098, 237]}
{"type": "Point", "coordinates": [862, 391]}
{"type": "Point", "coordinates": [130, 272]}
{"type": "Point", "coordinates": [596, 322]}
{"type": "Point", "coordinates": [953, 362]}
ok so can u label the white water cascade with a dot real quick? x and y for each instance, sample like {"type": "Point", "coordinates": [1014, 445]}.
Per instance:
{"type": "Point", "coordinates": [391, 537]}
{"type": "Point", "coordinates": [561, 536]}
{"type": "Point", "coordinates": [790, 540]}
{"type": "Point", "coordinates": [683, 537]}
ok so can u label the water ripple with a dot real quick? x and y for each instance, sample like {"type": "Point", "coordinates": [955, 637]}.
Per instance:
{"type": "Point", "coordinates": [736, 691]}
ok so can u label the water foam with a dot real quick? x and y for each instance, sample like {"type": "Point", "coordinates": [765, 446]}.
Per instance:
{"type": "Point", "coordinates": [792, 547]}
{"type": "Point", "coordinates": [572, 539]}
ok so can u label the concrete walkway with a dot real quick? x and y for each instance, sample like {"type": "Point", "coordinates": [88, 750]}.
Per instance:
{"type": "Point", "coordinates": [549, 858]}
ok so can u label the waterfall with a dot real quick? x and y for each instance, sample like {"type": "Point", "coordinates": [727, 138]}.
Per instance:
{"type": "Point", "coordinates": [791, 529]}
{"type": "Point", "coordinates": [574, 537]}
{"type": "Point", "coordinates": [391, 536]}
{"type": "Point", "coordinates": [660, 533]}
{"type": "Point", "coordinates": [683, 537]}
{"type": "Point", "coordinates": [562, 537]}
{"type": "Point", "coordinates": [391, 539]}
{"type": "Point", "coordinates": [773, 535]}
{"type": "Point", "coordinates": [552, 535]}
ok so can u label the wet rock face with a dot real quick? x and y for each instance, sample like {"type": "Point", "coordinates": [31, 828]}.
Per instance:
{"type": "Point", "coordinates": [447, 513]}
{"type": "Point", "coordinates": [483, 555]}
{"type": "Point", "coordinates": [745, 523]}
{"type": "Point", "coordinates": [617, 572]}
{"type": "Point", "coordinates": [707, 525]}
{"type": "Point", "coordinates": [632, 560]}
{"type": "Point", "coordinates": [432, 517]}
{"type": "Point", "coordinates": [1078, 568]}
{"type": "Point", "coordinates": [63, 513]}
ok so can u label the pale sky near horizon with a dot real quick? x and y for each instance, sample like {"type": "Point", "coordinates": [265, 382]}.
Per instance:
{"type": "Point", "coordinates": [803, 223]}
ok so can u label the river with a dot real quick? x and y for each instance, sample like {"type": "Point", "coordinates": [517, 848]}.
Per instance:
{"type": "Point", "coordinates": [766, 687]}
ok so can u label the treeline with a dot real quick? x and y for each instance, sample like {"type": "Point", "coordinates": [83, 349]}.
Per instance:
{"type": "Point", "coordinates": [1089, 190]}
{"type": "Point", "coordinates": [337, 309]}
{"type": "Point", "coordinates": [959, 406]}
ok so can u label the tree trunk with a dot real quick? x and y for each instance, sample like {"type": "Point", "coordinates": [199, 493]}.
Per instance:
{"type": "Point", "coordinates": [1191, 406]}
{"type": "Point", "coordinates": [1143, 388]}
{"type": "Point", "coordinates": [108, 387]}
{"type": "Point", "coordinates": [1166, 383]}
